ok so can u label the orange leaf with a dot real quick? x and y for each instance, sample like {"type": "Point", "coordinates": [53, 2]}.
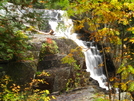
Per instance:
{"type": "Point", "coordinates": [49, 40]}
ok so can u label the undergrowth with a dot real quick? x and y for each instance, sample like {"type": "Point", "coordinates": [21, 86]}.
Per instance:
{"type": "Point", "coordinates": [13, 92]}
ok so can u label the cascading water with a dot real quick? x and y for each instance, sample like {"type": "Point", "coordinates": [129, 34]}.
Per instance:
{"type": "Point", "coordinates": [63, 27]}
{"type": "Point", "coordinates": [92, 55]}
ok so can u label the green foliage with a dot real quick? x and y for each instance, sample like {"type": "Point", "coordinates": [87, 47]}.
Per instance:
{"type": "Point", "coordinates": [74, 81]}
{"type": "Point", "coordinates": [55, 4]}
{"type": "Point", "coordinates": [14, 35]}
{"type": "Point", "coordinates": [69, 59]}
{"type": "Point", "coordinates": [131, 87]}
{"type": "Point", "coordinates": [126, 72]}
{"type": "Point", "coordinates": [77, 78]}
{"type": "Point", "coordinates": [49, 47]}
{"type": "Point", "coordinates": [13, 41]}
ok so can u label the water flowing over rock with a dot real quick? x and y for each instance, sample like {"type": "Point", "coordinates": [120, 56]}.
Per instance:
{"type": "Point", "coordinates": [92, 54]}
{"type": "Point", "coordinates": [62, 26]}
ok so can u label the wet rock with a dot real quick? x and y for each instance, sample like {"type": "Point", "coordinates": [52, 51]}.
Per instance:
{"type": "Point", "coordinates": [59, 72]}
{"type": "Point", "coordinates": [22, 72]}
{"type": "Point", "coordinates": [57, 79]}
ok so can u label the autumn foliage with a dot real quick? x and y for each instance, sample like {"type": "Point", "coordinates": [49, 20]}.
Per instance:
{"type": "Point", "coordinates": [110, 23]}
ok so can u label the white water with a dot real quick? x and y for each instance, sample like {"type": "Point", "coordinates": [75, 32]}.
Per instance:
{"type": "Point", "coordinates": [92, 54]}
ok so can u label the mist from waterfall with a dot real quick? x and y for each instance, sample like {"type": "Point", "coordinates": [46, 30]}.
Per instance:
{"type": "Point", "coordinates": [63, 27]}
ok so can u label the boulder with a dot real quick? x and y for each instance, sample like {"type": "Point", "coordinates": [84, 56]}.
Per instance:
{"type": "Point", "coordinates": [22, 72]}
{"type": "Point", "coordinates": [59, 72]}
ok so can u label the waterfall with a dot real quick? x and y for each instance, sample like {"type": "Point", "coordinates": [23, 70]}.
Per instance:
{"type": "Point", "coordinates": [63, 27]}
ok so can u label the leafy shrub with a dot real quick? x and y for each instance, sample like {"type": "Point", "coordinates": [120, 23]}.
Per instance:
{"type": "Point", "coordinates": [75, 80]}
{"type": "Point", "coordinates": [49, 47]}
{"type": "Point", "coordinates": [13, 32]}
{"type": "Point", "coordinates": [13, 42]}
{"type": "Point", "coordinates": [14, 93]}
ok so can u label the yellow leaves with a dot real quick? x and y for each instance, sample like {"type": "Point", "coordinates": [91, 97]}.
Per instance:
{"type": "Point", "coordinates": [108, 35]}
{"type": "Point", "coordinates": [79, 24]}
{"type": "Point", "coordinates": [44, 73]}
{"type": "Point", "coordinates": [84, 1]}
{"type": "Point", "coordinates": [115, 40]}
{"type": "Point", "coordinates": [114, 1]}
{"type": "Point", "coordinates": [93, 27]}
{"type": "Point", "coordinates": [21, 34]}
{"type": "Point", "coordinates": [120, 69]}
{"type": "Point", "coordinates": [131, 29]}
{"type": "Point", "coordinates": [77, 49]}
{"type": "Point", "coordinates": [124, 74]}
{"type": "Point", "coordinates": [108, 31]}
{"type": "Point", "coordinates": [103, 31]}
{"type": "Point", "coordinates": [127, 56]}
{"type": "Point", "coordinates": [70, 55]}
{"type": "Point", "coordinates": [125, 71]}
{"type": "Point", "coordinates": [42, 1]}
{"type": "Point", "coordinates": [117, 32]}
{"type": "Point", "coordinates": [116, 84]}
{"type": "Point", "coordinates": [73, 50]}
{"type": "Point", "coordinates": [118, 7]}
{"type": "Point", "coordinates": [129, 5]}
{"type": "Point", "coordinates": [129, 85]}
{"type": "Point", "coordinates": [131, 40]}
{"type": "Point", "coordinates": [47, 92]}
{"type": "Point", "coordinates": [124, 86]}
{"type": "Point", "coordinates": [125, 39]}
{"type": "Point", "coordinates": [107, 49]}
{"type": "Point", "coordinates": [68, 59]}
{"type": "Point", "coordinates": [124, 21]}
{"type": "Point", "coordinates": [15, 88]}
{"type": "Point", "coordinates": [100, 65]}
{"type": "Point", "coordinates": [111, 32]}
{"type": "Point", "coordinates": [105, 6]}
{"type": "Point", "coordinates": [53, 97]}
{"type": "Point", "coordinates": [116, 4]}
{"type": "Point", "coordinates": [98, 11]}
{"type": "Point", "coordinates": [114, 79]}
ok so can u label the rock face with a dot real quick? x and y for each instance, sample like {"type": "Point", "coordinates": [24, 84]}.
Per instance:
{"type": "Point", "coordinates": [23, 71]}
{"type": "Point", "coordinates": [60, 73]}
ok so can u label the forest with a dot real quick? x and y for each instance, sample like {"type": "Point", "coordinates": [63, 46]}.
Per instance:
{"type": "Point", "coordinates": [110, 23]}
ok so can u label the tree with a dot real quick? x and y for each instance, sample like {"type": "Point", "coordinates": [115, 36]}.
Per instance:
{"type": "Point", "coordinates": [110, 23]}
{"type": "Point", "coordinates": [13, 32]}
{"type": "Point", "coordinates": [14, 36]}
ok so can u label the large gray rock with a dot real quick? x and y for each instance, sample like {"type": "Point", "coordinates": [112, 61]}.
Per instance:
{"type": "Point", "coordinates": [22, 72]}
{"type": "Point", "coordinates": [60, 73]}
